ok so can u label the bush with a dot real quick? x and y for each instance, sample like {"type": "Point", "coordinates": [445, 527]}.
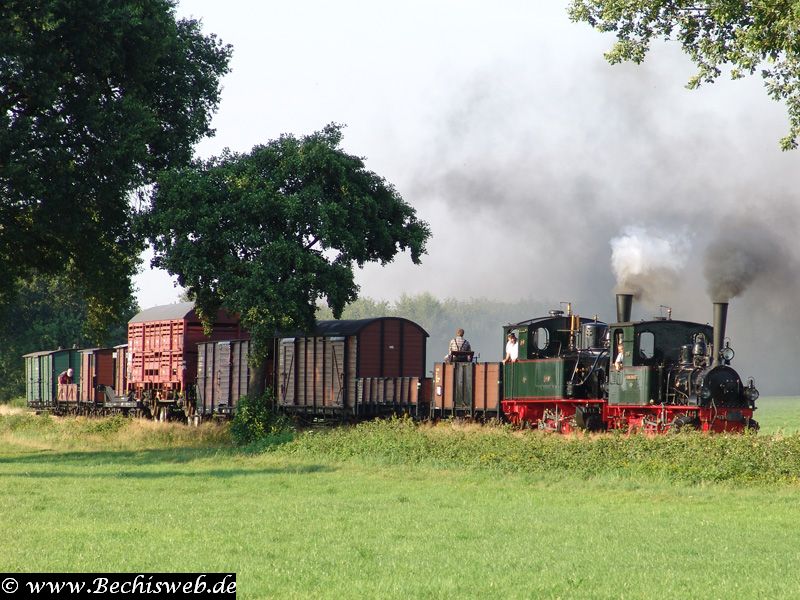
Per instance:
{"type": "Point", "coordinates": [255, 421]}
{"type": "Point", "coordinates": [17, 402]}
{"type": "Point", "coordinates": [27, 423]}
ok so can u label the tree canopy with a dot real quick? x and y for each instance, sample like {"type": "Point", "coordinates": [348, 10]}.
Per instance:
{"type": "Point", "coordinates": [95, 98]}
{"type": "Point", "coordinates": [743, 36]}
{"type": "Point", "coordinates": [267, 234]}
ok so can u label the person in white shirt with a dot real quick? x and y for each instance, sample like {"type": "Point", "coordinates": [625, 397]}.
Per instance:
{"type": "Point", "coordinates": [620, 357]}
{"type": "Point", "coordinates": [512, 349]}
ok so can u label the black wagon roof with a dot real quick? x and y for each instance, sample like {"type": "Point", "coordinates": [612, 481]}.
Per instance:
{"type": "Point", "coordinates": [348, 327]}
{"type": "Point", "coordinates": [40, 353]}
{"type": "Point", "coordinates": [46, 352]}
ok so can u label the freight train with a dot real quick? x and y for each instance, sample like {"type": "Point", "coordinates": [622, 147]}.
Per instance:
{"type": "Point", "coordinates": [669, 375]}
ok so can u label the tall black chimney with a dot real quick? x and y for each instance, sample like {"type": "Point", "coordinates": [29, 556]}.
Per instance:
{"type": "Point", "coordinates": [720, 317]}
{"type": "Point", "coordinates": [624, 303]}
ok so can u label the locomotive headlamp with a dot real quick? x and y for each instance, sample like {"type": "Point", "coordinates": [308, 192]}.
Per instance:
{"type": "Point", "coordinates": [751, 394]}
{"type": "Point", "coordinates": [727, 354]}
{"type": "Point", "coordinates": [705, 393]}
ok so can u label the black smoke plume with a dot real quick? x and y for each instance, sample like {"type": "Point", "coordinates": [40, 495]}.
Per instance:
{"type": "Point", "coordinates": [743, 254]}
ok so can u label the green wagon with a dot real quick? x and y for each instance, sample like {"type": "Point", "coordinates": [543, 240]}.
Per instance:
{"type": "Point", "coordinates": [41, 375]}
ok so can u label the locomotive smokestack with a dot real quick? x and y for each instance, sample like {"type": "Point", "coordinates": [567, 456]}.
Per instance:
{"type": "Point", "coordinates": [624, 303]}
{"type": "Point", "coordinates": [720, 318]}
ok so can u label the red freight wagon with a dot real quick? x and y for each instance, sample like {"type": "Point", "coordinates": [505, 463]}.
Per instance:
{"type": "Point", "coordinates": [162, 354]}
{"type": "Point", "coordinates": [97, 372]}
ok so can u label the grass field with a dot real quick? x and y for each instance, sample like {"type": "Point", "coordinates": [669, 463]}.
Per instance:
{"type": "Point", "coordinates": [294, 522]}
{"type": "Point", "coordinates": [779, 414]}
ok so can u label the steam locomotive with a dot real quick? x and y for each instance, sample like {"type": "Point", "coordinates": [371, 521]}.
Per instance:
{"type": "Point", "coordinates": [669, 375]}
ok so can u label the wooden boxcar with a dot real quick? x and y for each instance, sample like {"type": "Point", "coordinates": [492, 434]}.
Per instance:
{"type": "Point", "coordinates": [222, 376]}
{"type": "Point", "coordinates": [41, 376]}
{"type": "Point", "coordinates": [466, 389]}
{"type": "Point", "coordinates": [162, 354]}
{"type": "Point", "coordinates": [355, 369]}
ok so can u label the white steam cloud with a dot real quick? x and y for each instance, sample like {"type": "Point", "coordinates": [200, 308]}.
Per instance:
{"type": "Point", "coordinates": [647, 262]}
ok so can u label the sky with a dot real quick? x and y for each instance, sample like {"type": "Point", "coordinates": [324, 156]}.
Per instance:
{"type": "Point", "coordinates": [538, 165]}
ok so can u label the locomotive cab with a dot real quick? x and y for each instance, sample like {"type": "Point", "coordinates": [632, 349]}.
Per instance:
{"type": "Point", "coordinates": [652, 351]}
{"type": "Point", "coordinates": [561, 356]}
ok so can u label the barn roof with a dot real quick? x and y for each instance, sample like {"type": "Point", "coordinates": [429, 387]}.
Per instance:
{"type": "Point", "coordinates": [165, 312]}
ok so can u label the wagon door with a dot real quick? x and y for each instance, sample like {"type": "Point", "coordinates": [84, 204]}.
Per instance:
{"type": "Point", "coordinates": [286, 377]}
{"type": "Point", "coordinates": [240, 372]}
{"type": "Point", "coordinates": [36, 385]}
{"type": "Point", "coordinates": [222, 387]}
{"type": "Point", "coordinates": [205, 362]}
{"type": "Point", "coordinates": [462, 386]}
{"type": "Point", "coordinates": [334, 392]}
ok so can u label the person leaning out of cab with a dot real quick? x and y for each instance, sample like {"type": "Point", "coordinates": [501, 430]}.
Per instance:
{"type": "Point", "coordinates": [620, 357]}
{"type": "Point", "coordinates": [512, 349]}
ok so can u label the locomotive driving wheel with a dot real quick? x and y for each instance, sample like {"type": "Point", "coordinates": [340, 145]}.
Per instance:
{"type": "Point", "coordinates": [684, 422]}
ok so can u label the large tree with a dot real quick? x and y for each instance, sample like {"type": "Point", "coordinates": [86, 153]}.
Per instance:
{"type": "Point", "coordinates": [744, 37]}
{"type": "Point", "coordinates": [96, 96]}
{"type": "Point", "coordinates": [267, 234]}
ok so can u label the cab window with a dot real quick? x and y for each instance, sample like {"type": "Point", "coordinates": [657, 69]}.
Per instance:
{"type": "Point", "coordinates": [647, 344]}
{"type": "Point", "coordinates": [542, 338]}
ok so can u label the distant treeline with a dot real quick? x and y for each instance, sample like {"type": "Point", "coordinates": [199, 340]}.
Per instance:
{"type": "Point", "coordinates": [482, 319]}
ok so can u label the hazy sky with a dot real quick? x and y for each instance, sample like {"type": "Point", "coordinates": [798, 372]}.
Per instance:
{"type": "Point", "coordinates": [502, 124]}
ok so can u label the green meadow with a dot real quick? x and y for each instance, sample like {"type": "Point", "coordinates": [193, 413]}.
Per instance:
{"type": "Point", "coordinates": [779, 414]}
{"type": "Point", "coordinates": [392, 510]}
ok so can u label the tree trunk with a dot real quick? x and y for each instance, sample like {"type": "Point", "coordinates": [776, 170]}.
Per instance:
{"type": "Point", "coordinates": [256, 383]}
